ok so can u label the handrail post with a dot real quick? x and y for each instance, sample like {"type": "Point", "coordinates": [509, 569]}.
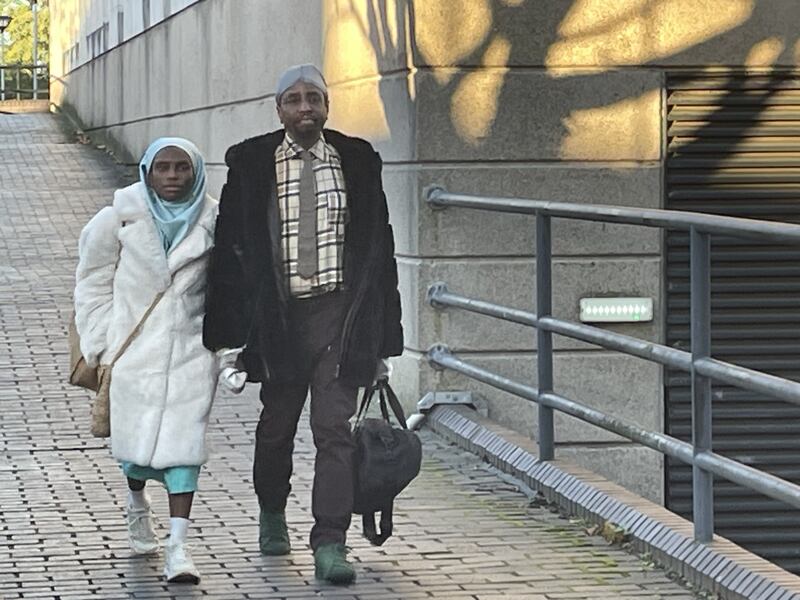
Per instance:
{"type": "Point", "coordinates": [35, 48]}
{"type": "Point", "coordinates": [544, 338]}
{"type": "Point", "coordinates": [702, 480]}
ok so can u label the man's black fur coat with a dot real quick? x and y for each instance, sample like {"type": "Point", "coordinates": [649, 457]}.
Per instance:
{"type": "Point", "coordinates": [247, 297]}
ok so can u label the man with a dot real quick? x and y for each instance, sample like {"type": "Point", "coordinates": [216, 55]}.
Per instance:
{"type": "Point", "coordinates": [303, 277]}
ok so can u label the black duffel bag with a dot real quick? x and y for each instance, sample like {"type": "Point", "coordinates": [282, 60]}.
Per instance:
{"type": "Point", "coordinates": [387, 459]}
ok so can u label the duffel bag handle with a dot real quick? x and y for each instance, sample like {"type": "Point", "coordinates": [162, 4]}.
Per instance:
{"type": "Point", "coordinates": [387, 396]}
{"type": "Point", "coordinates": [387, 393]}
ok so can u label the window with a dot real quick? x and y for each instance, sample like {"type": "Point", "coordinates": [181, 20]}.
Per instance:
{"type": "Point", "coordinates": [70, 58]}
{"type": "Point", "coordinates": [97, 41]}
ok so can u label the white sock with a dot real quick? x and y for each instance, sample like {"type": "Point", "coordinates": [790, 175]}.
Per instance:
{"type": "Point", "coordinates": [178, 530]}
{"type": "Point", "coordinates": [138, 499]}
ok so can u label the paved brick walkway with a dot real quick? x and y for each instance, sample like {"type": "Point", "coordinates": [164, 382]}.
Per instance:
{"type": "Point", "coordinates": [461, 530]}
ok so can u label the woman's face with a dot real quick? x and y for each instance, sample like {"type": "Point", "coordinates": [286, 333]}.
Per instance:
{"type": "Point", "coordinates": [171, 174]}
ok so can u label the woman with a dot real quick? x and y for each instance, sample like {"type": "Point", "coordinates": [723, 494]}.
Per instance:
{"type": "Point", "coordinates": [154, 239]}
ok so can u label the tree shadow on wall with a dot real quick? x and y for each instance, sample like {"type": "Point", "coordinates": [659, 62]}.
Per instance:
{"type": "Point", "coordinates": [459, 86]}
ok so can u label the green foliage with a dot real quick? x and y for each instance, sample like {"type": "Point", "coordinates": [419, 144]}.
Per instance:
{"type": "Point", "coordinates": [19, 35]}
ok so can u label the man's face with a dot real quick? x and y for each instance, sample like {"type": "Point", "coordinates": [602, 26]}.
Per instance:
{"type": "Point", "coordinates": [303, 110]}
{"type": "Point", "coordinates": [171, 174]}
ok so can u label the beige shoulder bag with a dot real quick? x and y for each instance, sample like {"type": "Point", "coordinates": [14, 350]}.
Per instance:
{"type": "Point", "coordinates": [98, 379]}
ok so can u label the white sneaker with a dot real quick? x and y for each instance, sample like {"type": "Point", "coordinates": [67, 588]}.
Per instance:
{"type": "Point", "coordinates": [178, 564]}
{"type": "Point", "coordinates": [141, 534]}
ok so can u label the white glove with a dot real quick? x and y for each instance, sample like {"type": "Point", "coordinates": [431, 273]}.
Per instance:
{"type": "Point", "coordinates": [383, 370]}
{"type": "Point", "coordinates": [231, 377]}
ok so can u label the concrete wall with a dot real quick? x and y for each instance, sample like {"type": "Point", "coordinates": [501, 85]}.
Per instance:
{"type": "Point", "coordinates": [90, 27]}
{"type": "Point", "coordinates": [207, 73]}
{"type": "Point", "coordinates": [553, 99]}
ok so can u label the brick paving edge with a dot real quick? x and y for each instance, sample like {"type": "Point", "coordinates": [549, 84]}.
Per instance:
{"type": "Point", "coordinates": [721, 567]}
{"type": "Point", "coordinates": [25, 106]}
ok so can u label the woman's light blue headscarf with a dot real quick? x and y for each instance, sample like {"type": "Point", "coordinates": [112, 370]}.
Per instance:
{"type": "Point", "coordinates": [174, 219]}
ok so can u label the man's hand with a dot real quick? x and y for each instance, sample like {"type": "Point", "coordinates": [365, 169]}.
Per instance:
{"type": "Point", "coordinates": [232, 376]}
{"type": "Point", "coordinates": [383, 370]}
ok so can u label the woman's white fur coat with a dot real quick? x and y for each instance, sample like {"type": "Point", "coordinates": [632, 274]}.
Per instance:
{"type": "Point", "coordinates": [163, 385]}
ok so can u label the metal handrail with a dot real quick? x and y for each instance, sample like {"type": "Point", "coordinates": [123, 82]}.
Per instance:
{"type": "Point", "coordinates": [27, 66]}
{"type": "Point", "coordinates": [36, 71]}
{"type": "Point", "coordinates": [438, 197]}
{"type": "Point", "coordinates": [698, 362]}
{"type": "Point", "coordinates": [770, 485]}
{"type": "Point", "coordinates": [440, 296]}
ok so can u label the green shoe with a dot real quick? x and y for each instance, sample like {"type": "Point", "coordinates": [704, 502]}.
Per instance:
{"type": "Point", "coordinates": [273, 537]}
{"type": "Point", "coordinates": [330, 564]}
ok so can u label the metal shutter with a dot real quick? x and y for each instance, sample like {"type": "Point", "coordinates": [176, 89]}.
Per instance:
{"type": "Point", "coordinates": [734, 149]}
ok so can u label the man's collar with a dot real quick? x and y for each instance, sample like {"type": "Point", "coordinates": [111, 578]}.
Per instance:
{"type": "Point", "coordinates": [320, 150]}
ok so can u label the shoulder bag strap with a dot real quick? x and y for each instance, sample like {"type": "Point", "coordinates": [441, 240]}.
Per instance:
{"type": "Point", "coordinates": [138, 328]}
